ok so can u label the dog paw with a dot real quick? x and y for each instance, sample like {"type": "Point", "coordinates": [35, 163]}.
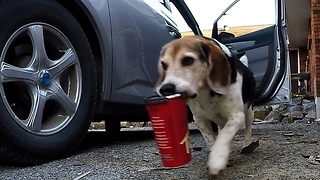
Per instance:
{"type": "Point", "coordinates": [217, 162]}
{"type": "Point", "coordinates": [250, 148]}
{"type": "Point", "coordinates": [215, 168]}
{"type": "Point", "coordinates": [214, 172]}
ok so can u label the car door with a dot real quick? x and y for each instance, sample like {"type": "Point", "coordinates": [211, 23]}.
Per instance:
{"type": "Point", "coordinates": [266, 46]}
{"type": "Point", "coordinates": [139, 30]}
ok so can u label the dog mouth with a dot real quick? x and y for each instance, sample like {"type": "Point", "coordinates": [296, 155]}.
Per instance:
{"type": "Point", "coordinates": [193, 96]}
{"type": "Point", "coordinates": [185, 94]}
{"type": "Point", "coordinates": [170, 89]}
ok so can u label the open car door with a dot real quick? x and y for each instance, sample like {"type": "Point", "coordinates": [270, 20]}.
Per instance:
{"type": "Point", "coordinates": [266, 48]}
{"type": "Point", "coordinates": [267, 51]}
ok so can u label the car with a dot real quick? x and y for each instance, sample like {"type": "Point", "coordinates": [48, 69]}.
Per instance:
{"type": "Point", "coordinates": [65, 64]}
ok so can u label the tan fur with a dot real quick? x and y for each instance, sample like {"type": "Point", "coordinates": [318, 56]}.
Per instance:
{"type": "Point", "coordinates": [216, 65]}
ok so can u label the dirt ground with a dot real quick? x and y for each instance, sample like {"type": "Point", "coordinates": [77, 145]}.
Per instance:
{"type": "Point", "coordinates": [286, 151]}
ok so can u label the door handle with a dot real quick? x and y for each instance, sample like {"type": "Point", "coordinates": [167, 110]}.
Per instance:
{"type": "Point", "coordinates": [229, 46]}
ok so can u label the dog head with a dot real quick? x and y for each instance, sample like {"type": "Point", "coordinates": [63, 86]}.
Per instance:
{"type": "Point", "coordinates": [191, 63]}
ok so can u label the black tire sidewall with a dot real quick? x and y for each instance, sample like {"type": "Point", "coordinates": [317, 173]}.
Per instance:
{"type": "Point", "coordinates": [19, 13]}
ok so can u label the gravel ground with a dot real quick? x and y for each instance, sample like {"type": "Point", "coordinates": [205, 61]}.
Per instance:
{"type": "Point", "coordinates": [285, 152]}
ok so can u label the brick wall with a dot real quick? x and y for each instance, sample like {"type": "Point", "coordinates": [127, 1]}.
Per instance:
{"type": "Point", "coordinates": [315, 47]}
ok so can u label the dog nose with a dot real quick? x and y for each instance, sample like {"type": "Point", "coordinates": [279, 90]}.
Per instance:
{"type": "Point", "coordinates": [168, 89]}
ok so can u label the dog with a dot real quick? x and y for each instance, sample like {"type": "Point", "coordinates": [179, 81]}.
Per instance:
{"type": "Point", "coordinates": [218, 88]}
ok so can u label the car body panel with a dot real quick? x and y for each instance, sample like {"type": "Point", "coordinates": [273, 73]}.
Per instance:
{"type": "Point", "coordinates": [131, 34]}
{"type": "Point", "coordinates": [131, 47]}
{"type": "Point", "coordinates": [138, 34]}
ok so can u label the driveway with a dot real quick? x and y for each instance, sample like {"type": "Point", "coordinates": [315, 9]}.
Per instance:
{"type": "Point", "coordinates": [286, 151]}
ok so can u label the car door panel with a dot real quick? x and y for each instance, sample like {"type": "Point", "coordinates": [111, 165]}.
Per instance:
{"type": "Point", "coordinates": [239, 45]}
{"type": "Point", "coordinates": [258, 47]}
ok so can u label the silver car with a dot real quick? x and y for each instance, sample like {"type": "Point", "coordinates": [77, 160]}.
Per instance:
{"type": "Point", "coordinates": [64, 64]}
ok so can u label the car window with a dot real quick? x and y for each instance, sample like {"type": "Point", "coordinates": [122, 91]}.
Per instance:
{"type": "Point", "coordinates": [248, 16]}
{"type": "Point", "coordinates": [244, 13]}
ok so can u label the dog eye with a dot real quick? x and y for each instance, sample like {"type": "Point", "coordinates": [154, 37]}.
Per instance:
{"type": "Point", "coordinates": [187, 61]}
{"type": "Point", "coordinates": [164, 65]}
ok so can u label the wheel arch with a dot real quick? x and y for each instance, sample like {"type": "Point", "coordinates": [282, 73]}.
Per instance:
{"type": "Point", "coordinates": [91, 30]}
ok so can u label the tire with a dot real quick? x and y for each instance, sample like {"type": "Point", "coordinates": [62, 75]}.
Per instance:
{"type": "Point", "coordinates": [47, 83]}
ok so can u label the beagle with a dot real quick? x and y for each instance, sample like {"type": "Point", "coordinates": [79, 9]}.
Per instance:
{"type": "Point", "coordinates": [218, 87]}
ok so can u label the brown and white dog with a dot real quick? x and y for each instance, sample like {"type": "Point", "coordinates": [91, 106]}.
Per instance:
{"type": "Point", "coordinates": [218, 86]}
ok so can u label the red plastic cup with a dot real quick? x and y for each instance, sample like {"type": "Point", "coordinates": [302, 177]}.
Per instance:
{"type": "Point", "coordinates": [168, 116]}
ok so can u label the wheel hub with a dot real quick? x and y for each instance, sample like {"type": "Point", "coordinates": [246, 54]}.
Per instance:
{"type": "Point", "coordinates": [45, 78]}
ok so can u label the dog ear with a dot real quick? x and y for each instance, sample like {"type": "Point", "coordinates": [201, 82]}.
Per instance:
{"type": "Point", "coordinates": [219, 71]}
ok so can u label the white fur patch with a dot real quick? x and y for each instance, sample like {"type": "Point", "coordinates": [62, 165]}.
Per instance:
{"type": "Point", "coordinates": [229, 113]}
{"type": "Point", "coordinates": [224, 48]}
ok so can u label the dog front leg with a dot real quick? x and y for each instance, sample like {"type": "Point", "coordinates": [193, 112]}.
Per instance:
{"type": "Point", "coordinates": [220, 151]}
{"type": "Point", "coordinates": [205, 127]}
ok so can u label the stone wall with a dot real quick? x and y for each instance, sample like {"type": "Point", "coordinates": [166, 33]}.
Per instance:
{"type": "Point", "coordinates": [300, 110]}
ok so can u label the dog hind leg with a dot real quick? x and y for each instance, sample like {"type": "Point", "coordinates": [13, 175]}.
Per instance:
{"type": "Point", "coordinates": [248, 127]}
{"type": "Point", "coordinates": [249, 145]}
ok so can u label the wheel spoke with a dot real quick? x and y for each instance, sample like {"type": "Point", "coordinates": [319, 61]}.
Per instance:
{"type": "Point", "coordinates": [67, 60]}
{"type": "Point", "coordinates": [39, 51]}
{"type": "Point", "coordinates": [36, 114]}
{"type": "Point", "coordinates": [63, 99]}
{"type": "Point", "coordinates": [12, 73]}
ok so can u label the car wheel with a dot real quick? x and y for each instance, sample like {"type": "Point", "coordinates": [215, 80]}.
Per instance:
{"type": "Point", "coordinates": [47, 82]}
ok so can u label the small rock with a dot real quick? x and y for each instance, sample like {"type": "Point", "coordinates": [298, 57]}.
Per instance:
{"type": "Point", "coordinates": [287, 120]}
{"type": "Point", "coordinates": [311, 115]}
{"type": "Point", "coordinates": [296, 108]}
{"type": "Point", "coordinates": [273, 116]}
{"type": "Point", "coordinates": [281, 107]}
{"type": "Point", "coordinates": [312, 160]}
{"type": "Point", "coordinates": [296, 114]}
{"type": "Point", "coordinates": [303, 121]}
{"type": "Point", "coordinates": [310, 106]}
{"type": "Point", "coordinates": [288, 134]}
{"type": "Point", "coordinates": [305, 101]}
{"type": "Point", "coordinates": [276, 107]}
{"type": "Point", "coordinates": [259, 113]}
{"type": "Point", "coordinates": [297, 101]}
{"type": "Point", "coordinates": [305, 155]}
